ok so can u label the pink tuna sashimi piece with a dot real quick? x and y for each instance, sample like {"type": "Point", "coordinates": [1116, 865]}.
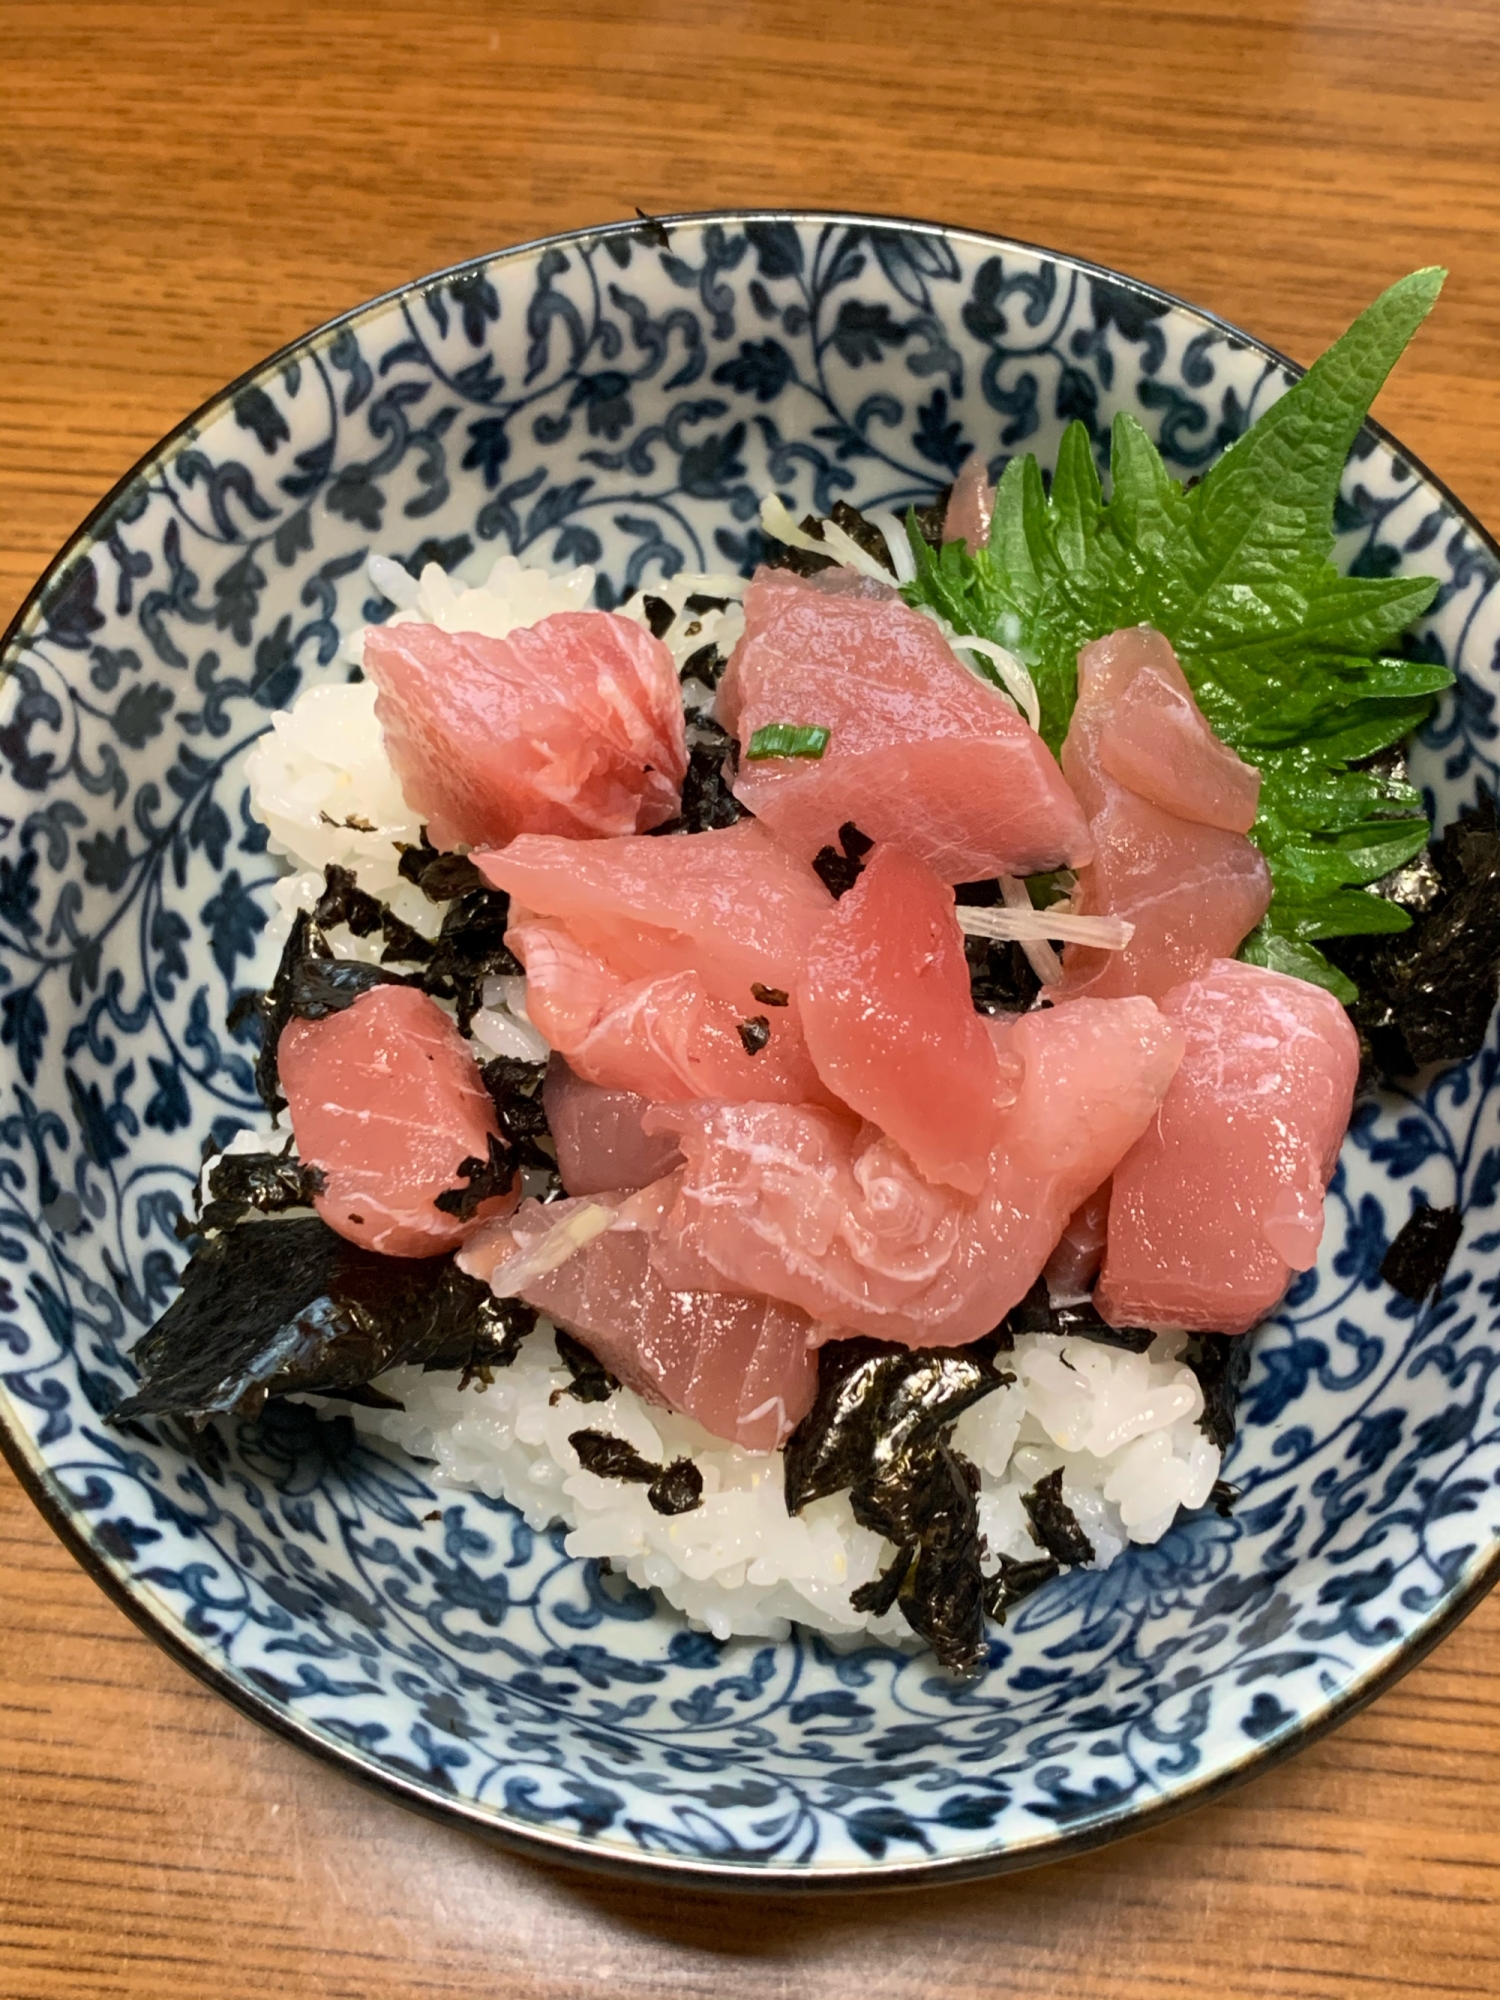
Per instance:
{"type": "Point", "coordinates": [729, 904]}
{"type": "Point", "coordinates": [922, 753]}
{"type": "Point", "coordinates": [803, 1205]}
{"type": "Point", "coordinates": [971, 506]}
{"type": "Point", "coordinates": [666, 1039]}
{"type": "Point", "coordinates": [1074, 1264]}
{"type": "Point", "coordinates": [386, 1098]}
{"type": "Point", "coordinates": [1222, 1199]}
{"type": "Point", "coordinates": [1167, 805]}
{"type": "Point", "coordinates": [743, 1367]}
{"type": "Point", "coordinates": [600, 1143]}
{"type": "Point", "coordinates": [570, 726]}
{"type": "Point", "coordinates": [889, 1019]}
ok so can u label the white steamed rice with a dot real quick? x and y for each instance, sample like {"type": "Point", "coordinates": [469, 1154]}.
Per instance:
{"type": "Point", "coordinates": [1123, 1427]}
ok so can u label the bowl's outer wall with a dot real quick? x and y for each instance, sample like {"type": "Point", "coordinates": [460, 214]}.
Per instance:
{"type": "Point", "coordinates": [603, 398]}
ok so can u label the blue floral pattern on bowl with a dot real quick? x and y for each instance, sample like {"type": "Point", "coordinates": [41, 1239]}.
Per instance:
{"type": "Point", "coordinates": [615, 399]}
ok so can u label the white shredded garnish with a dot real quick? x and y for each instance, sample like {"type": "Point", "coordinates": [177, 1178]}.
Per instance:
{"type": "Point", "coordinates": [1023, 926]}
{"type": "Point", "coordinates": [550, 1252]}
{"type": "Point", "coordinates": [776, 521]}
{"type": "Point", "coordinates": [894, 535]}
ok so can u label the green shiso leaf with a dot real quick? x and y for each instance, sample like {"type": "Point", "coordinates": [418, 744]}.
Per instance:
{"type": "Point", "coordinates": [788, 739]}
{"type": "Point", "coordinates": [1286, 657]}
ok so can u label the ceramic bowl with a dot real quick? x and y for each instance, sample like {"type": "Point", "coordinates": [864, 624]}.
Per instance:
{"type": "Point", "coordinates": [622, 397]}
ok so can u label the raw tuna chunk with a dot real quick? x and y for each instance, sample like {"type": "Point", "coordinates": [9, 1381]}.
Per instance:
{"type": "Point", "coordinates": [730, 904]}
{"type": "Point", "coordinates": [922, 753]}
{"type": "Point", "coordinates": [971, 507]}
{"type": "Point", "coordinates": [890, 1023]}
{"type": "Point", "coordinates": [1074, 1263]}
{"type": "Point", "coordinates": [600, 1143]}
{"type": "Point", "coordinates": [666, 1038]}
{"type": "Point", "coordinates": [809, 1207]}
{"type": "Point", "coordinates": [570, 726]}
{"type": "Point", "coordinates": [1168, 807]}
{"type": "Point", "coordinates": [387, 1099]}
{"type": "Point", "coordinates": [1222, 1199]}
{"type": "Point", "coordinates": [742, 1366]}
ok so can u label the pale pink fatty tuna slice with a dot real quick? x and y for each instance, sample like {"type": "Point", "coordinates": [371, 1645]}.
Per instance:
{"type": "Point", "coordinates": [600, 1142]}
{"type": "Point", "coordinates": [667, 1038]}
{"type": "Point", "coordinates": [741, 1366]}
{"type": "Point", "coordinates": [921, 752]}
{"type": "Point", "coordinates": [730, 905]}
{"type": "Point", "coordinates": [1222, 1199]}
{"type": "Point", "coordinates": [386, 1099]}
{"type": "Point", "coordinates": [1169, 806]}
{"type": "Point", "coordinates": [971, 507]}
{"type": "Point", "coordinates": [831, 1216]}
{"type": "Point", "coordinates": [890, 1023]}
{"type": "Point", "coordinates": [570, 726]}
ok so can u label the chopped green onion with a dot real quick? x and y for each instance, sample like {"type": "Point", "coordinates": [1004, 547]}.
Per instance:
{"type": "Point", "coordinates": [789, 739]}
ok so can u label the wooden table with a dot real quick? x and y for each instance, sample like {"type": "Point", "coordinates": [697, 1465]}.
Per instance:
{"type": "Point", "coordinates": [188, 186]}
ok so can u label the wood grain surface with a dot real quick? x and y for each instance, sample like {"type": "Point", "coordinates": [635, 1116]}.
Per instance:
{"type": "Point", "coordinates": [184, 188]}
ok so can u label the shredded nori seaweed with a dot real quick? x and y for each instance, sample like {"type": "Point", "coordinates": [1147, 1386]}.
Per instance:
{"type": "Point", "coordinates": [1054, 1524]}
{"type": "Point", "coordinates": [1001, 977]}
{"type": "Point", "coordinates": [671, 1489]}
{"type": "Point", "coordinates": [839, 872]}
{"type": "Point", "coordinates": [439, 876]}
{"type": "Point", "coordinates": [470, 949]}
{"type": "Point", "coordinates": [706, 666]}
{"type": "Point", "coordinates": [1014, 1581]}
{"type": "Point", "coordinates": [770, 996]}
{"type": "Point", "coordinates": [1221, 1361]}
{"type": "Point", "coordinates": [270, 1308]}
{"type": "Point", "coordinates": [1037, 1314]}
{"type": "Point", "coordinates": [483, 1181]}
{"type": "Point", "coordinates": [754, 1034]}
{"type": "Point", "coordinates": [1222, 1497]}
{"type": "Point", "coordinates": [240, 1184]}
{"type": "Point", "coordinates": [659, 615]}
{"type": "Point", "coordinates": [930, 518]}
{"type": "Point", "coordinates": [515, 1089]}
{"type": "Point", "coordinates": [864, 533]}
{"type": "Point", "coordinates": [801, 562]}
{"type": "Point", "coordinates": [1417, 1262]}
{"type": "Point", "coordinates": [592, 1381]}
{"type": "Point", "coordinates": [1427, 994]}
{"type": "Point", "coordinates": [879, 1427]}
{"type": "Point", "coordinates": [707, 798]}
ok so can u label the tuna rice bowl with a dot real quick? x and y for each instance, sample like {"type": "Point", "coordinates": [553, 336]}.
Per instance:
{"type": "Point", "coordinates": [811, 1078]}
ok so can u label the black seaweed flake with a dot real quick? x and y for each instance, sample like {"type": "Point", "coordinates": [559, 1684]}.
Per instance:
{"type": "Point", "coordinates": [1002, 978]}
{"type": "Point", "coordinates": [659, 615]}
{"type": "Point", "coordinates": [706, 666]}
{"type": "Point", "coordinates": [839, 872]}
{"type": "Point", "coordinates": [878, 1427]}
{"type": "Point", "coordinates": [863, 533]}
{"type": "Point", "coordinates": [707, 798]}
{"type": "Point", "coordinates": [1221, 1361]}
{"type": "Point", "coordinates": [262, 1183]}
{"type": "Point", "coordinates": [269, 1308]}
{"type": "Point", "coordinates": [754, 1034]}
{"type": "Point", "coordinates": [1426, 995]}
{"type": "Point", "coordinates": [801, 562]}
{"type": "Point", "coordinates": [1015, 1581]}
{"type": "Point", "coordinates": [700, 601]}
{"type": "Point", "coordinates": [1417, 1262]}
{"type": "Point", "coordinates": [441, 877]}
{"type": "Point", "coordinates": [470, 949]}
{"type": "Point", "coordinates": [344, 902]}
{"type": "Point", "coordinates": [671, 1489]}
{"type": "Point", "coordinates": [770, 996]}
{"type": "Point", "coordinates": [1222, 1497]}
{"type": "Point", "coordinates": [592, 1381]}
{"type": "Point", "coordinates": [1054, 1524]}
{"type": "Point", "coordinates": [1037, 1314]}
{"type": "Point", "coordinates": [515, 1089]}
{"type": "Point", "coordinates": [483, 1180]}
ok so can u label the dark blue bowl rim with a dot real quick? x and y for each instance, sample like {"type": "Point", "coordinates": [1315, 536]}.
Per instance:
{"type": "Point", "coordinates": [571, 1850]}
